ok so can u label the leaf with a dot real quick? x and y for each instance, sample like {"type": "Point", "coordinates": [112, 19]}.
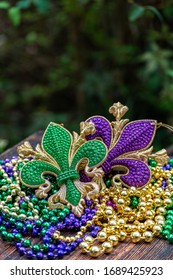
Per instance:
{"type": "Point", "coordinates": [14, 15]}
{"type": "Point", "coordinates": [156, 12]}
{"type": "Point", "coordinates": [56, 142]}
{"type": "Point", "coordinates": [4, 5]}
{"type": "Point", "coordinates": [136, 12]}
{"type": "Point", "coordinates": [94, 151]}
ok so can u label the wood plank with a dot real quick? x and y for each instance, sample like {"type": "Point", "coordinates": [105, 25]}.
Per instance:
{"type": "Point", "coordinates": [158, 249]}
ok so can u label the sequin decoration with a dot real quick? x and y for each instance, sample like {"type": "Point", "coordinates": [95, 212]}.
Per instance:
{"type": "Point", "coordinates": [128, 145]}
{"type": "Point", "coordinates": [61, 155]}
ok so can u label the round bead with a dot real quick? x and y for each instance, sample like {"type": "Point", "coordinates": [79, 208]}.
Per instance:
{"type": "Point", "coordinates": [135, 236]}
{"type": "Point", "coordinates": [148, 236]}
{"type": "Point", "coordinates": [107, 246]}
{"type": "Point", "coordinates": [84, 246]}
{"type": "Point", "coordinates": [94, 251]}
{"type": "Point", "coordinates": [101, 236]}
{"type": "Point", "coordinates": [113, 239]}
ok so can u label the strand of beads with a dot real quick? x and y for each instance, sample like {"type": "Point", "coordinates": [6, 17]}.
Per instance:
{"type": "Point", "coordinates": [135, 214]}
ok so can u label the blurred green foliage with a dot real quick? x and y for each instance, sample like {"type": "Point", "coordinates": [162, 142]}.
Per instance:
{"type": "Point", "coordinates": [65, 60]}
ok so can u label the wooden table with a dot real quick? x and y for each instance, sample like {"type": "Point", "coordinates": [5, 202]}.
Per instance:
{"type": "Point", "coordinates": [158, 249]}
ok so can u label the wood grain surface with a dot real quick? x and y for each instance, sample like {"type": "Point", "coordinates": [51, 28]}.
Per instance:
{"type": "Point", "coordinates": [158, 249]}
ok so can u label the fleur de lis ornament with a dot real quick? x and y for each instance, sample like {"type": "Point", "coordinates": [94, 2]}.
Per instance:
{"type": "Point", "coordinates": [129, 146]}
{"type": "Point", "coordinates": [63, 155]}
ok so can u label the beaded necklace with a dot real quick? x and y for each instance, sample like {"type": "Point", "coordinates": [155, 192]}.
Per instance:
{"type": "Point", "coordinates": [91, 190]}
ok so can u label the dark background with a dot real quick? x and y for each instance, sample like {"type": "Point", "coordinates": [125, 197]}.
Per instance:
{"type": "Point", "coordinates": [66, 60]}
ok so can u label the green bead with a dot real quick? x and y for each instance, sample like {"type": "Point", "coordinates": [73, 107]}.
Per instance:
{"type": "Point", "coordinates": [168, 227]}
{"type": "Point", "coordinates": [66, 210]}
{"type": "Point", "coordinates": [34, 200]}
{"type": "Point", "coordinates": [2, 228]}
{"type": "Point", "coordinates": [26, 243]}
{"type": "Point", "coordinates": [38, 223]}
{"type": "Point", "coordinates": [43, 202]}
{"type": "Point", "coordinates": [46, 225]}
{"type": "Point", "coordinates": [3, 182]}
{"type": "Point", "coordinates": [54, 219]}
{"type": "Point", "coordinates": [9, 237]}
{"type": "Point", "coordinates": [12, 220]}
{"type": "Point", "coordinates": [45, 217]}
{"type": "Point", "coordinates": [43, 232]}
{"type": "Point", "coordinates": [171, 161]}
{"type": "Point", "coordinates": [170, 238]}
{"type": "Point", "coordinates": [37, 207]}
{"type": "Point", "coordinates": [19, 225]}
{"type": "Point", "coordinates": [29, 213]}
{"type": "Point", "coordinates": [45, 212]}
{"type": "Point", "coordinates": [4, 234]}
{"type": "Point", "coordinates": [165, 233]}
{"type": "Point", "coordinates": [22, 211]}
{"type": "Point", "coordinates": [20, 165]}
{"type": "Point", "coordinates": [62, 215]}
{"type": "Point", "coordinates": [24, 205]}
{"type": "Point", "coordinates": [29, 227]}
{"type": "Point", "coordinates": [44, 248]}
{"type": "Point", "coordinates": [17, 237]}
{"type": "Point", "coordinates": [36, 248]}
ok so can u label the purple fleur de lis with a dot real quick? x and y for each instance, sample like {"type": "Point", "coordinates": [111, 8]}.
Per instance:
{"type": "Point", "coordinates": [128, 145]}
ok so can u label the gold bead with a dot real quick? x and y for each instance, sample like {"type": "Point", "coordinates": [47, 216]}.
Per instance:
{"type": "Point", "coordinates": [84, 246]}
{"type": "Point", "coordinates": [107, 246]}
{"type": "Point", "coordinates": [167, 201]}
{"type": "Point", "coordinates": [83, 229]}
{"type": "Point", "coordinates": [124, 193]}
{"type": "Point", "coordinates": [113, 239]}
{"type": "Point", "coordinates": [122, 235]}
{"type": "Point", "coordinates": [160, 210]}
{"type": "Point", "coordinates": [89, 239]}
{"type": "Point", "coordinates": [157, 229]}
{"type": "Point", "coordinates": [89, 223]}
{"type": "Point", "coordinates": [148, 236]}
{"type": "Point", "coordinates": [94, 251]}
{"type": "Point", "coordinates": [149, 224]}
{"type": "Point", "coordinates": [112, 223]}
{"type": "Point", "coordinates": [149, 214]}
{"type": "Point", "coordinates": [159, 217]}
{"type": "Point", "coordinates": [135, 236]}
{"type": "Point", "coordinates": [101, 236]}
{"type": "Point", "coordinates": [109, 212]}
{"type": "Point", "coordinates": [157, 202]}
{"type": "Point", "coordinates": [142, 204]}
{"type": "Point", "coordinates": [127, 210]}
{"type": "Point", "coordinates": [121, 222]}
{"type": "Point", "coordinates": [120, 201]}
{"type": "Point", "coordinates": [160, 222]}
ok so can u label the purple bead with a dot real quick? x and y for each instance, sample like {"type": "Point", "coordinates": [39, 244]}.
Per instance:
{"type": "Point", "coordinates": [89, 203]}
{"type": "Point", "coordinates": [50, 255]}
{"type": "Point", "coordinates": [22, 251]}
{"type": "Point", "coordinates": [93, 233]}
{"type": "Point", "coordinates": [87, 211]}
{"type": "Point", "coordinates": [34, 232]}
{"type": "Point", "coordinates": [39, 255]}
{"type": "Point", "coordinates": [89, 217]}
{"type": "Point", "coordinates": [77, 224]}
{"type": "Point", "coordinates": [73, 245]}
{"type": "Point", "coordinates": [59, 226]}
{"type": "Point", "coordinates": [60, 254]}
{"type": "Point", "coordinates": [67, 250]}
{"type": "Point", "coordinates": [18, 245]}
{"type": "Point", "coordinates": [83, 221]}
{"type": "Point", "coordinates": [29, 254]}
{"type": "Point", "coordinates": [51, 247]}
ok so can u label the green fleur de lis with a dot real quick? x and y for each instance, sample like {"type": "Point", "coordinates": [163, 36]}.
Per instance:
{"type": "Point", "coordinates": [60, 156]}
